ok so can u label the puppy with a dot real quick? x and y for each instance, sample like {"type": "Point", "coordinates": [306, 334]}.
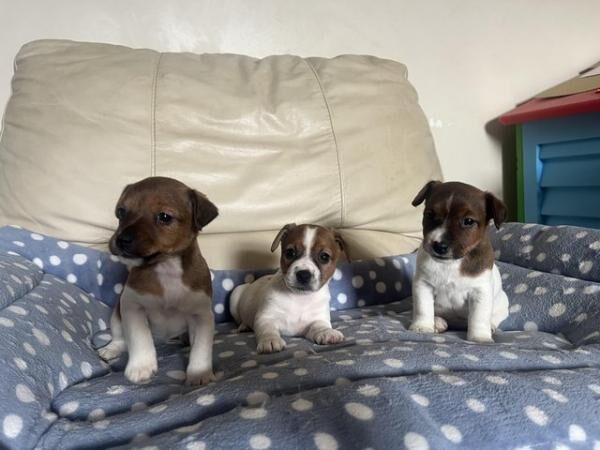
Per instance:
{"type": "Point", "coordinates": [295, 300]}
{"type": "Point", "coordinates": [456, 280]}
{"type": "Point", "coordinates": [168, 291]}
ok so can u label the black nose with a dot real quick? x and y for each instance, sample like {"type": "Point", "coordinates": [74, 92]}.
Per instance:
{"type": "Point", "coordinates": [303, 276]}
{"type": "Point", "coordinates": [124, 240]}
{"type": "Point", "coordinates": [440, 248]}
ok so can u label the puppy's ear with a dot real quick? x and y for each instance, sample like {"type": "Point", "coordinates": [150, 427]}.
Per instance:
{"type": "Point", "coordinates": [425, 192]}
{"type": "Point", "coordinates": [285, 230]}
{"type": "Point", "coordinates": [203, 210]}
{"type": "Point", "coordinates": [341, 244]}
{"type": "Point", "coordinates": [494, 209]}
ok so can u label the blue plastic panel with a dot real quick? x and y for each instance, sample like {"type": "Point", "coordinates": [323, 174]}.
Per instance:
{"type": "Point", "coordinates": [561, 159]}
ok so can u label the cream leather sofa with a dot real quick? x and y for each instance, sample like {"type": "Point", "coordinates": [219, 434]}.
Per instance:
{"type": "Point", "coordinates": [340, 142]}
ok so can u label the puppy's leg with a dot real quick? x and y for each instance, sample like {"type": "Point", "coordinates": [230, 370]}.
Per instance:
{"type": "Point", "coordinates": [142, 362]}
{"type": "Point", "coordinates": [201, 328]}
{"type": "Point", "coordinates": [500, 310]}
{"type": "Point", "coordinates": [268, 338]}
{"type": "Point", "coordinates": [440, 324]}
{"type": "Point", "coordinates": [480, 316]}
{"type": "Point", "coordinates": [243, 328]}
{"type": "Point", "coordinates": [321, 333]}
{"type": "Point", "coordinates": [117, 345]}
{"type": "Point", "coordinates": [423, 320]}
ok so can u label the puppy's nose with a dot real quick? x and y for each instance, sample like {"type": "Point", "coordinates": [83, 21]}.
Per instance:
{"type": "Point", "coordinates": [124, 240]}
{"type": "Point", "coordinates": [440, 248]}
{"type": "Point", "coordinates": [303, 276]}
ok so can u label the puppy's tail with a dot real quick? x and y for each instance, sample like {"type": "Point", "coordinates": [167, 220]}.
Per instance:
{"type": "Point", "coordinates": [234, 301]}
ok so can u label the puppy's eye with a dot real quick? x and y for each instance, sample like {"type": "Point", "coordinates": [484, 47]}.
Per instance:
{"type": "Point", "coordinates": [428, 214]}
{"type": "Point", "coordinates": [120, 213]}
{"type": "Point", "coordinates": [468, 222]}
{"type": "Point", "coordinates": [324, 257]}
{"type": "Point", "coordinates": [164, 218]}
{"type": "Point", "coordinates": [290, 253]}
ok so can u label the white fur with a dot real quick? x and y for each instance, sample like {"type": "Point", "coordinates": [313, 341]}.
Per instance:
{"type": "Point", "coordinates": [441, 295]}
{"type": "Point", "coordinates": [437, 234]}
{"type": "Point", "coordinates": [272, 307]}
{"type": "Point", "coordinates": [177, 311]}
{"type": "Point", "coordinates": [131, 262]}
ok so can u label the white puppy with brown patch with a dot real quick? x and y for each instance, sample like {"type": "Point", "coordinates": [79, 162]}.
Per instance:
{"type": "Point", "coordinates": [168, 291]}
{"type": "Point", "coordinates": [295, 300]}
{"type": "Point", "coordinates": [456, 280]}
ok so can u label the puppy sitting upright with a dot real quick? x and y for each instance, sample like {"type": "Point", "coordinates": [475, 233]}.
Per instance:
{"type": "Point", "coordinates": [295, 300]}
{"type": "Point", "coordinates": [456, 280]}
{"type": "Point", "coordinates": [168, 291]}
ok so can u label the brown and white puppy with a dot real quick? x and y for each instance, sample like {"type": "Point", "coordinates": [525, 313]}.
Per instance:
{"type": "Point", "coordinates": [295, 300]}
{"type": "Point", "coordinates": [456, 280]}
{"type": "Point", "coordinates": [168, 291]}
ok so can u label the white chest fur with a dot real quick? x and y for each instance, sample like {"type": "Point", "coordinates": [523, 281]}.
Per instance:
{"type": "Point", "coordinates": [451, 289]}
{"type": "Point", "coordinates": [169, 313]}
{"type": "Point", "coordinates": [169, 274]}
{"type": "Point", "coordinates": [295, 312]}
{"type": "Point", "coordinates": [269, 299]}
{"type": "Point", "coordinates": [453, 293]}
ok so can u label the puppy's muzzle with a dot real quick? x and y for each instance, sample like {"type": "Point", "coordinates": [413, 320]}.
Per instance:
{"type": "Point", "coordinates": [303, 277]}
{"type": "Point", "coordinates": [125, 242]}
{"type": "Point", "coordinates": [440, 248]}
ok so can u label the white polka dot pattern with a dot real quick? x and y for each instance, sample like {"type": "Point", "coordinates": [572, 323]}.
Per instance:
{"type": "Point", "coordinates": [363, 379]}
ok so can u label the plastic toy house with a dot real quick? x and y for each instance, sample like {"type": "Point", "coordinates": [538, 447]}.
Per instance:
{"type": "Point", "coordinates": [558, 153]}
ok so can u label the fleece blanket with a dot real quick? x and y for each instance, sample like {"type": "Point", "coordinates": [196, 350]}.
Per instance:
{"type": "Point", "coordinates": [385, 387]}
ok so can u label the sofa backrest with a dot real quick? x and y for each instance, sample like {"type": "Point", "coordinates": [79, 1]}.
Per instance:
{"type": "Point", "coordinates": [340, 142]}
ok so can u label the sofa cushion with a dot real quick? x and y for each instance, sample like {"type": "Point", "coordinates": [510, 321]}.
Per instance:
{"type": "Point", "coordinates": [341, 141]}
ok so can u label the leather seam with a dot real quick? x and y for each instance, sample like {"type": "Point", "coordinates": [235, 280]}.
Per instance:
{"type": "Point", "coordinates": [153, 118]}
{"type": "Point", "coordinates": [335, 143]}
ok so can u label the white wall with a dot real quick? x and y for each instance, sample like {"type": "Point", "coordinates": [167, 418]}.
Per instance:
{"type": "Point", "coordinates": [470, 60]}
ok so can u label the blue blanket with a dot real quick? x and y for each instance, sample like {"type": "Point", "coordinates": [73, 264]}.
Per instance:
{"type": "Point", "coordinates": [384, 387]}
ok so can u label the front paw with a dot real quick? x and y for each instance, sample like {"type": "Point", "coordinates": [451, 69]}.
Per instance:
{"type": "Point", "coordinates": [138, 372]}
{"type": "Point", "coordinates": [111, 351]}
{"type": "Point", "coordinates": [440, 324]}
{"type": "Point", "coordinates": [271, 344]}
{"type": "Point", "coordinates": [329, 336]}
{"type": "Point", "coordinates": [481, 337]}
{"type": "Point", "coordinates": [420, 326]}
{"type": "Point", "coordinates": [197, 378]}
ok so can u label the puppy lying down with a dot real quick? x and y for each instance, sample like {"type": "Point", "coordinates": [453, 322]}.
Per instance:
{"type": "Point", "coordinates": [295, 300]}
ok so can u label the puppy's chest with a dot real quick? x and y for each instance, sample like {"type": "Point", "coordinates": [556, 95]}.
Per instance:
{"type": "Point", "coordinates": [451, 289]}
{"type": "Point", "coordinates": [175, 294]}
{"type": "Point", "coordinates": [294, 313]}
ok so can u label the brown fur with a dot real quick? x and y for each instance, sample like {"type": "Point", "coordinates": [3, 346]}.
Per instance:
{"type": "Point", "coordinates": [478, 259]}
{"type": "Point", "coordinates": [153, 242]}
{"type": "Point", "coordinates": [143, 280]}
{"type": "Point", "coordinates": [452, 202]}
{"type": "Point", "coordinates": [326, 240]}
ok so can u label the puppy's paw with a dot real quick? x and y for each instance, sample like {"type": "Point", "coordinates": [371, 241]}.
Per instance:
{"type": "Point", "coordinates": [243, 328]}
{"type": "Point", "coordinates": [481, 337]}
{"type": "Point", "coordinates": [113, 350]}
{"type": "Point", "coordinates": [197, 378]}
{"type": "Point", "coordinates": [329, 336]}
{"type": "Point", "coordinates": [138, 372]}
{"type": "Point", "coordinates": [440, 324]}
{"type": "Point", "coordinates": [422, 327]}
{"type": "Point", "coordinates": [272, 344]}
